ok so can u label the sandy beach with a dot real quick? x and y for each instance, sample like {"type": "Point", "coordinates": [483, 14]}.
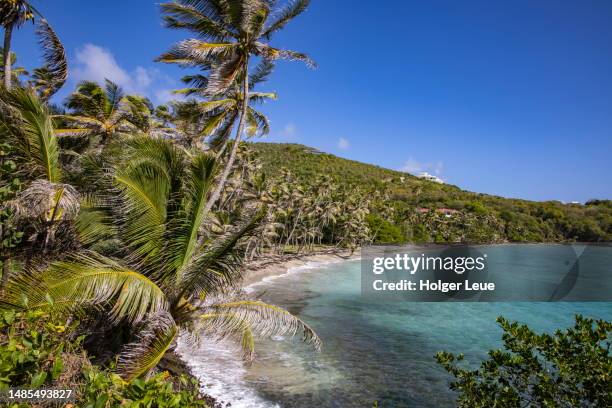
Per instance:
{"type": "Point", "coordinates": [274, 265]}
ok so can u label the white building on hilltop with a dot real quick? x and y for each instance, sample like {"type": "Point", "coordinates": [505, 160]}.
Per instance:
{"type": "Point", "coordinates": [430, 177]}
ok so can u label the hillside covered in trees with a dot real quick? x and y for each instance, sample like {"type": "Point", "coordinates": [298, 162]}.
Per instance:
{"type": "Point", "coordinates": [404, 208]}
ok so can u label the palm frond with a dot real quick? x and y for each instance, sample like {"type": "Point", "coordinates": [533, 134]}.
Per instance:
{"type": "Point", "coordinates": [94, 224]}
{"type": "Point", "coordinates": [286, 14]}
{"type": "Point", "coordinates": [89, 99]}
{"type": "Point", "coordinates": [224, 74]}
{"type": "Point", "coordinates": [217, 266]}
{"type": "Point", "coordinates": [224, 104]}
{"type": "Point", "coordinates": [54, 56]}
{"type": "Point", "coordinates": [47, 201]}
{"type": "Point", "coordinates": [28, 120]}
{"type": "Point", "coordinates": [259, 97]}
{"type": "Point", "coordinates": [203, 23]}
{"type": "Point", "coordinates": [257, 121]}
{"type": "Point", "coordinates": [261, 72]}
{"type": "Point", "coordinates": [197, 52]}
{"type": "Point", "coordinates": [198, 83]}
{"type": "Point", "coordinates": [76, 132]}
{"type": "Point", "coordinates": [272, 53]}
{"type": "Point", "coordinates": [262, 319]}
{"type": "Point", "coordinates": [184, 236]}
{"type": "Point", "coordinates": [223, 133]}
{"type": "Point", "coordinates": [153, 340]}
{"type": "Point", "coordinates": [234, 327]}
{"type": "Point", "coordinates": [114, 94]}
{"type": "Point", "coordinates": [213, 123]}
{"type": "Point", "coordinates": [87, 280]}
{"type": "Point", "coordinates": [147, 184]}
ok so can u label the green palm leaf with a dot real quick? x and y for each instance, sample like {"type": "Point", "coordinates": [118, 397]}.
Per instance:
{"type": "Point", "coordinates": [204, 22]}
{"type": "Point", "coordinates": [154, 339]}
{"type": "Point", "coordinates": [290, 11]}
{"type": "Point", "coordinates": [217, 266]}
{"type": "Point", "coordinates": [87, 280]}
{"type": "Point", "coordinates": [261, 319]}
{"type": "Point", "coordinates": [184, 236]}
{"type": "Point", "coordinates": [26, 119]}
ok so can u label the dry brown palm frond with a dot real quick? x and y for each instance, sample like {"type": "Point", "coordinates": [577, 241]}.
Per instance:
{"type": "Point", "coordinates": [55, 58]}
{"type": "Point", "coordinates": [47, 201]}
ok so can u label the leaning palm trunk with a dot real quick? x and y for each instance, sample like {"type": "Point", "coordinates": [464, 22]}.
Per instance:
{"type": "Point", "coordinates": [8, 32]}
{"type": "Point", "coordinates": [230, 162]}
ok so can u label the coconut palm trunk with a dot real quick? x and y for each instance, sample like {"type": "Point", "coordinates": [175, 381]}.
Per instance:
{"type": "Point", "coordinates": [230, 162]}
{"type": "Point", "coordinates": [8, 33]}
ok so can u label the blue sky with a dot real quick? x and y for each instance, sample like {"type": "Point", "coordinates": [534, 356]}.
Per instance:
{"type": "Point", "coordinates": [509, 98]}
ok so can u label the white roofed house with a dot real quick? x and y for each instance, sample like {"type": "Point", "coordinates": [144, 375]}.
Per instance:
{"type": "Point", "coordinates": [430, 177]}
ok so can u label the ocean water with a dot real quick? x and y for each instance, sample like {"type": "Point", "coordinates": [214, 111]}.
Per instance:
{"type": "Point", "coordinates": [372, 351]}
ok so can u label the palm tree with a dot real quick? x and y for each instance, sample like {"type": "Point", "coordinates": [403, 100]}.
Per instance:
{"type": "Point", "coordinates": [16, 72]}
{"type": "Point", "coordinates": [98, 112]}
{"type": "Point", "coordinates": [222, 111]}
{"type": "Point", "coordinates": [229, 33]}
{"type": "Point", "coordinates": [13, 14]}
{"type": "Point", "coordinates": [159, 278]}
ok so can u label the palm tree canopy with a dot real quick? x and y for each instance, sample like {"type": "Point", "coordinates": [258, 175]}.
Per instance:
{"type": "Point", "coordinates": [105, 111]}
{"type": "Point", "coordinates": [228, 32]}
{"type": "Point", "coordinates": [14, 13]}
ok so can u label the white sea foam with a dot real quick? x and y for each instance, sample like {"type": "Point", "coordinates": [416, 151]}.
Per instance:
{"type": "Point", "coordinates": [218, 366]}
{"type": "Point", "coordinates": [221, 373]}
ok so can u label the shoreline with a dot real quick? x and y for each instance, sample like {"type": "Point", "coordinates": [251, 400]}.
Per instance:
{"type": "Point", "coordinates": [257, 271]}
{"type": "Point", "coordinates": [270, 266]}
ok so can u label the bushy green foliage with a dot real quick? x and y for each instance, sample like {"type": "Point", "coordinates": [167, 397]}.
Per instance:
{"type": "Point", "coordinates": [10, 184]}
{"type": "Point", "coordinates": [384, 231]}
{"type": "Point", "coordinates": [482, 218]}
{"type": "Point", "coordinates": [37, 351]}
{"type": "Point", "coordinates": [571, 368]}
{"type": "Point", "coordinates": [102, 389]}
{"type": "Point", "coordinates": [31, 350]}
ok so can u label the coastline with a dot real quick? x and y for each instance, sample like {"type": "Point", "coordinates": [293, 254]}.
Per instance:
{"type": "Point", "coordinates": [270, 266]}
{"type": "Point", "coordinates": [256, 271]}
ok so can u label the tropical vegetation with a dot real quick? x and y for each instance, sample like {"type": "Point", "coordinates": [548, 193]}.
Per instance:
{"type": "Point", "coordinates": [126, 224]}
{"type": "Point", "coordinates": [403, 208]}
{"type": "Point", "coordinates": [570, 368]}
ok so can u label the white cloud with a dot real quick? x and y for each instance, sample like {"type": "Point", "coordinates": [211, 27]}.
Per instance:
{"type": "Point", "coordinates": [343, 144]}
{"type": "Point", "coordinates": [289, 131]}
{"type": "Point", "coordinates": [95, 63]}
{"type": "Point", "coordinates": [166, 95]}
{"type": "Point", "coordinates": [414, 167]}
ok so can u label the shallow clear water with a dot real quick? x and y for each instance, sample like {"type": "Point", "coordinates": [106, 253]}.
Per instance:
{"type": "Point", "coordinates": [372, 351]}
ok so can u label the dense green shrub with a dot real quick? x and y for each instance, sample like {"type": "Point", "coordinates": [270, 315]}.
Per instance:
{"type": "Point", "coordinates": [37, 351]}
{"type": "Point", "coordinates": [571, 368]}
{"type": "Point", "coordinates": [384, 231]}
{"type": "Point", "coordinates": [103, 389]}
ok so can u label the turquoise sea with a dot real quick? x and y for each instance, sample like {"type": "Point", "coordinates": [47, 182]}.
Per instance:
{"type": "Point", "coordinates": [381, 351]}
